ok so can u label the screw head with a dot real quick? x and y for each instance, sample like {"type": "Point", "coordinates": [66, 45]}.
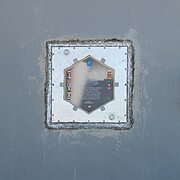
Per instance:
{"type": "Point", "coordinates": [66, 52]}
{"type": "Point", "coordinates": [112, 117]}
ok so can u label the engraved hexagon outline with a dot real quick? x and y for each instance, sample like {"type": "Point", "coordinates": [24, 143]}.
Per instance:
{"type": "Point", "coordinates": [65, 70]}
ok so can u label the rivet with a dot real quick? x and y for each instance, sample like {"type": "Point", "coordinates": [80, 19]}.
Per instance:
{"type": "Point", "coordinates": [66, 52]}
{"type": "Point", "coordinates": [111, 116]}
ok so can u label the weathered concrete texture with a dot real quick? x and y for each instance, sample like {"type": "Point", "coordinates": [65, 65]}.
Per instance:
{"type": "Point", "coordinates": [150, 150]}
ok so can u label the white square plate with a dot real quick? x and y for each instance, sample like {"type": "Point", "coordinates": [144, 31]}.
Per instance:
{"type": "Point", "coordinates": [115, 114]}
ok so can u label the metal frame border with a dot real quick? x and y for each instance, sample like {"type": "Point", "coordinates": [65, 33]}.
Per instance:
{"type": "Point", "coordinates": [89, 43]}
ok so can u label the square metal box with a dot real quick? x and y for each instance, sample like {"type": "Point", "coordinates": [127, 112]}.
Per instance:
{"type": "Point", "coordinates": [89, 84]}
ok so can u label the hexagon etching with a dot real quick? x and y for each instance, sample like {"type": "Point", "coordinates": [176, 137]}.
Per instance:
{"type": "Point", "coordinates": [89, 84]}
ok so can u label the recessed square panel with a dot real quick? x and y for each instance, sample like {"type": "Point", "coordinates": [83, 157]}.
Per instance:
{"type": "Point", "coordinates": [89, 84]}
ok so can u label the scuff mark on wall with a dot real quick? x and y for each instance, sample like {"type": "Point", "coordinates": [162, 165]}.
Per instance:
{"type": "Point", "coordinates": [140, 88]}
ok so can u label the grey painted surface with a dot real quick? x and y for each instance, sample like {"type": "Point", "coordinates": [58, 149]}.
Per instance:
{"type": "Point", "coordinates": [150, 150]}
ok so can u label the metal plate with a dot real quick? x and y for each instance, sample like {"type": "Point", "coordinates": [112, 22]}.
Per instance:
{"type": "Point", "coordinates": [89, 84]}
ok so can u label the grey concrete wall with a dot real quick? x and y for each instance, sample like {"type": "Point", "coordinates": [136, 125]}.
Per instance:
{"type": "Point", "coordinates": [150, 150]}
